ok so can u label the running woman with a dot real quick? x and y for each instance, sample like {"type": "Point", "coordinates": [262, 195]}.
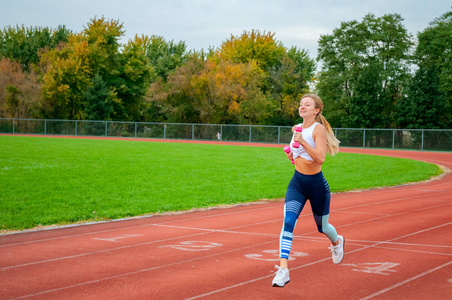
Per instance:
{"type": "Point", "coordinates": [308, 183]}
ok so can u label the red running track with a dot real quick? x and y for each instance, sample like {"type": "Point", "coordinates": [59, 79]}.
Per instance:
{"type": "Point", "coordinates": [398, 246]}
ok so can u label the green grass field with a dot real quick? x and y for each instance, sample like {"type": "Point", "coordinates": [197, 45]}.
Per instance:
{"type": "Point", "coordinates": [46, 181]}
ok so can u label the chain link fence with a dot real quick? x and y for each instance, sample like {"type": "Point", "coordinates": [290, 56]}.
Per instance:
{"type": "Point", "coordinates": [410, 139]}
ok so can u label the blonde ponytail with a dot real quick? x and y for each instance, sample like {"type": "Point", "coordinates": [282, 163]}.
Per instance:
{"type": "Point", "coordinates": [332, 143]}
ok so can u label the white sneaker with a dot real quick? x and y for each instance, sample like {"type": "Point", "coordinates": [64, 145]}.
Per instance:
{"type": "Point", "coordinates": [338, 250]}
{"type": "Point", "coordinates": [281, 277]}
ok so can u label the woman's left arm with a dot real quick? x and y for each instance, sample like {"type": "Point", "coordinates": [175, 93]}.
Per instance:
{"type": "Point", "coordinates": [319, 152]}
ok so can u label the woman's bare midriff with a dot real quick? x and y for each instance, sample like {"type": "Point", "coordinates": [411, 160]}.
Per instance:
{"type": "Point", "coordinates": [307, 167]}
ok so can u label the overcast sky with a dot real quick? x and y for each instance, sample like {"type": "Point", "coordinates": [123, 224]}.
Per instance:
{"type": "Point", "coordinates": [204, 23]}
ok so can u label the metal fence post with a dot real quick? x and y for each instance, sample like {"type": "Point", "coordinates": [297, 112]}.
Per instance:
{"type": "Point", "coordinates": [45, 127]}
{"type": "Point", "coordinates": [422, 141]}
{"type": "Point", "coordinates": [76, 125]}
{"type": "Point", "coordinates": [14, 126]}
{"type": "Point", "coordinates": [279, 133]}
{"type": "Point", "coordinates": [393, 138]}
{"type": "Point", "coordinates": [164, 130]}
{"type": "Point", "coordinates": [250, 133]}
{"type": "Point", "coordinates": [135, 129]}
{"type": "Point", "coordinates": [106, 128]}
{"type": "Point", "coordinates": [364, 138]}
{"type": "Point", "coordinates": [192, 131]}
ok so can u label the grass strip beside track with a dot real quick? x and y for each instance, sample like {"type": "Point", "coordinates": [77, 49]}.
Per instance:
{"type": "Point", "coordinates": [47, 181]}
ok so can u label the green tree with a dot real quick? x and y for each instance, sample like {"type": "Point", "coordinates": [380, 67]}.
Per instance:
{"type": "Point", "coordinates": [425, 105]}
{"type": "Point", "coordinates": [429, 98]}
{"type": "Point", "coordinates": [434, 48]}
{"type": "Point", "coordinates": [100, 100]}
{"type": "Point", "coordinates": [172, 101]}
{"type": "Point", "coordinates": [102, 37]}
{"type": "Point", "coordinates": [363, 63]}
{"type": "Point", "coordinates": [133, 76]}
{"type": "Point", "coordinates": [24, 44]}
{"type": "Point", "coordinates": [289, 81]}
{"type": "Point", "coordinates": [164, 56]}
{"type": "Point", "coordinates": [368, 107]}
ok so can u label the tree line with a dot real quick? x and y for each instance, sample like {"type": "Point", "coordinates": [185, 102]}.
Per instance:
{"type": "Point", "coordinates": [373, 74]}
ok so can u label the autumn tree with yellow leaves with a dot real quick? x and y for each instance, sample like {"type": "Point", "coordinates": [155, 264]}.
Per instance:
{"type": "Point", "coordinates": [94, 54]}
{"type": "Point", "coordinates": [250, 79]}
{"type": "Point", "coordinates": [238, 83]}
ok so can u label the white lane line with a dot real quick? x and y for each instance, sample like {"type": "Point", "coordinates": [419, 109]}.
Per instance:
{"type": "Point", "coordinates": [402, 244]}
{"type": "Point", "coordinates": [190, 219]}
{"type": "Point", "coordinates": [305, 265]}
{"type": "Point", "coordinates": [378, 244]}
{"type": "Point", "coordinates": [412, 251]}
{"type": "Point", "coordinates": [118, 229]}
{"type": "Point", "coordinates": [361, 213]}
{"type": "Point", "coordinates": [406, 187]}
{"type": "Point", "coordinates": [183, 220]}
{"type": "Point", "coordinates": [211, 230]}
{"type": "Point", "coordinates": [406, 281]}
{"type": "Point", "coordinates": [390, 201]}
{"type": "Point", "coordinates": [140, 271]}
{"type": "Point", "coordinates": [97, 252]}
{"type": "Point", "coordinates": [205, 231]}
{"type": "Point", "coordinates": [260, 278]}
{"type": "Point", "coordinates": [391, 216]}
{"type": "Point", "coordinates": [216, 254]}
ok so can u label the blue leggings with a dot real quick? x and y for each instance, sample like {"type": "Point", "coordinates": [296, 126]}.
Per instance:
{"type": "Point", "coordinates": [301, 188]}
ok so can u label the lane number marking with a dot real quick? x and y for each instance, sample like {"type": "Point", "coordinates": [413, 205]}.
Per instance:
{"type": "Point", "coordinates": [380, 268]}
{"type": "Point", "coordinates": [115, 239]}
{"type": "Point", "coordinates": [194, 246]}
